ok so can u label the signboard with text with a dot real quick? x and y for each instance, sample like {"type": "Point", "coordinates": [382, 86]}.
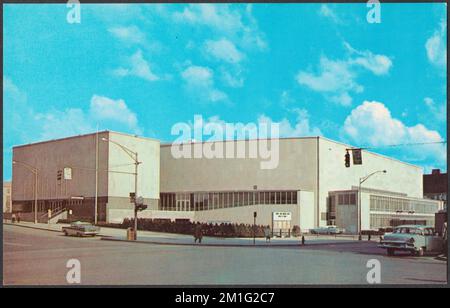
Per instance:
{"type": "Point", "coordinates": [282, 216]}
{"type": "Point", "coordinates": [67, 173]}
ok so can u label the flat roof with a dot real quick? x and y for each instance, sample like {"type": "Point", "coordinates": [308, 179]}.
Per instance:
{"type": "Point", "coordinates": [83, 135]}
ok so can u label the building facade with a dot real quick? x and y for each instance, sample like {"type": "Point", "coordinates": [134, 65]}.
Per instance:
{"type": "Point", "coordinates": [7, 201]}
{"type": "Point", "coordinates": [379, 209]}
{"type": "Point", "coordinates": [234, 187]}
{"type": "Point", "coordinates": [66, 175]}
{"type": "Point", "coordinates": [435, 186]}
{"type": "Point", "coordinates": [217, 189]}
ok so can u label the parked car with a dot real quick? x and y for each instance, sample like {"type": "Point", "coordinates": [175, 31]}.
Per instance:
{"type": "Point", "coordinates": [326, 230]}
{"type": "Point", "coordinates": [413, 238]}
{"type": "Point", "coordinates": [80, 229]}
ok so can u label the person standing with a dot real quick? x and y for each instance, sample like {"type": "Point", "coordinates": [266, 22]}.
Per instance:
{"type": "Point", "coordinates": [198, 233]}
{"type": "Point", "coordinates": [267, 233]}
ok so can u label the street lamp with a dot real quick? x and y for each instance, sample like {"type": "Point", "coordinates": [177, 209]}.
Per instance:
{"type": "Point", "coordinates": [362, 180]}
{"type": "Point", "coordinates": [33, 170]}
{"type": "Point", "coordinates": [134, 156]}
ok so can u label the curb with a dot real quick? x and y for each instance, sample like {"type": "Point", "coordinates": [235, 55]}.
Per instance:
{"type": "Point", "coordinates": [44, 229]}
{"type": "Point", "coordinates": [216, 245]}
{"type": "Point", "coordinates": [30, 227]}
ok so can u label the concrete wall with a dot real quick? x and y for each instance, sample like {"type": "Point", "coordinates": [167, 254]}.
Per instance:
{"type": "Point", "coordinates": [347, 218]}
{"type": "Point", "coordinates": [400, 177]}
{"type": "Point", "coordinates": [120, 185]}
{"type": "Point", "coordinates": [244, 214]}
{"type": "Point", "coordinates": [48, 157]}
{"type": "Point", "coordinates": [295, 171]}
{"type": "Point", "coordinates": [307, 205]}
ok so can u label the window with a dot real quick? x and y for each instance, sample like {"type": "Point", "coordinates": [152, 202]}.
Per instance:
{"type": "Point", "coordinates": [272, 198]}
{"type": "Point", "coordinates": [353, 199]}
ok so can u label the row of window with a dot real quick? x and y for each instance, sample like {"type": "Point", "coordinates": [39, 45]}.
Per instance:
{"type": "Point", "coordinates": [384, 220]}
{"type": "Point", "coordinates": [342, 198]}
{"type": "Point", "coordinates": [391, 204]}
{"type": "Point", "coordinates": [202, 201]}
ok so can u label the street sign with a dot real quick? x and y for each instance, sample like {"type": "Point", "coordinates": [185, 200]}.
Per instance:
{"type": "Point", "coordinates": [132, 197]}
{"type": "Point", "coordinates": [282, 216]}
{"type": "Point", "coordinates": [67, 173]}
{"type": "Point", "coordinates": [357, 156]}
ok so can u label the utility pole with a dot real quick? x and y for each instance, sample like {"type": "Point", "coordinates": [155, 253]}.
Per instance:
{"type": "Point", "coordinates": [254, 228]}
{"type": "Point", "coordinates": [134, 156]}
{"type": "Point", "coordinates": [136, 164]}
{"type": "Point", "coordinates": [96, 179]}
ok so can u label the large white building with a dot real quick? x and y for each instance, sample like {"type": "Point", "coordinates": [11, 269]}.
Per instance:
{"type": "Point", "coordinates": [66, 175]}
{"type": "Point", "coordinates": [310, 174]}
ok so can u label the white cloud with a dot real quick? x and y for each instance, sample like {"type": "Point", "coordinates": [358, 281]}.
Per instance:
{"type": "Point", "coordinates": [326, 11]}
{"type": "Point", "coordinates": [138, 67]}
{"type": "Point", "coordinates": [333, 77]}
{"type": "Point", "coordinates": [220, 17]}
{"type": "Point", "coordinates": [377, 64]}
{"type": "Point", "coordinates": [104, 108]}
{"type": "Point", "coordinates": [336, 79]}
{"type": "Point", "coordinates": [300, 128]}
{"type": "Point", "coordinates": [23, 124]}
{"type": "Point", "coordinates": [200, 81]}
{"type": "Point", "coordinates": [438, 112]}
{"type": "Point", "coordinates": [371, 123]}
{"type": "Point", "coordinates": [224, 50]}
{"type": "Point", "coordinates": [233, 79]}
{"type": "Point", "coordinates": [58, 124]}
{"type": "Point", "coordinates": [436, 47]}
{"type": "Point", "coordinates": [239, 25]}
{"type": "Point", "coordinates": [235, 33]}
{"type": "Point", "coordinates": [131, 34]}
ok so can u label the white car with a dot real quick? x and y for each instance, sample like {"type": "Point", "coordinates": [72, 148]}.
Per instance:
{"type": "Point", "coordinates": [80, 229]}
{"type": "Point", "coordinates": [413, 238]}
{"type": "Point", "coordinates": [326, 230]}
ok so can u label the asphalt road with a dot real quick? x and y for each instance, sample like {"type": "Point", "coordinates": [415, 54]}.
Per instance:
{"type": "Point", "coordinates": [35, 257]}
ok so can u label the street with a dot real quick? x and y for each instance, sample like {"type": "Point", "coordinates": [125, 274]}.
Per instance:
{"type": "Point", "coordinates": [37, 257]}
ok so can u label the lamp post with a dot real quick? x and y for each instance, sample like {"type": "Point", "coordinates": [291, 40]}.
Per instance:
{"type": "Point", "coordinates": [134, 156]}
{"type": "Point", "coordinates": [362, 180]}
{"type": "Point", "coordinates": [33, 170]}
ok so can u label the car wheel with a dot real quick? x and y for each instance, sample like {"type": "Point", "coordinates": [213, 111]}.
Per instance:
{"type": "Point", "coordinates": [65, 233]}
{"type": "Point", "coordinates": [390, 252]}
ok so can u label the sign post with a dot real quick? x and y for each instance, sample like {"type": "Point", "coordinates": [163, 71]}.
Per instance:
{"type": "Point", "coordinates": [254, 228]}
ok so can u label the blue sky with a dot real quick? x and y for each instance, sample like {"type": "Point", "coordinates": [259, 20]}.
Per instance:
{"type": "Point", "coordinates": [317, 69]}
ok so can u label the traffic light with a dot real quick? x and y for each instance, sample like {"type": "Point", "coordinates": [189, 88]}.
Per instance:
{"type": "Point", "coordinates": [59, 175]}
{"type": "Point", "coordinates": [141, 207]}
{"type": "Point", "coordinates": [347, 159]}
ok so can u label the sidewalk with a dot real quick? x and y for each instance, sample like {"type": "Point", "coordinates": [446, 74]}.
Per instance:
{"type": "Point", "coordinates": [160, 238]}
